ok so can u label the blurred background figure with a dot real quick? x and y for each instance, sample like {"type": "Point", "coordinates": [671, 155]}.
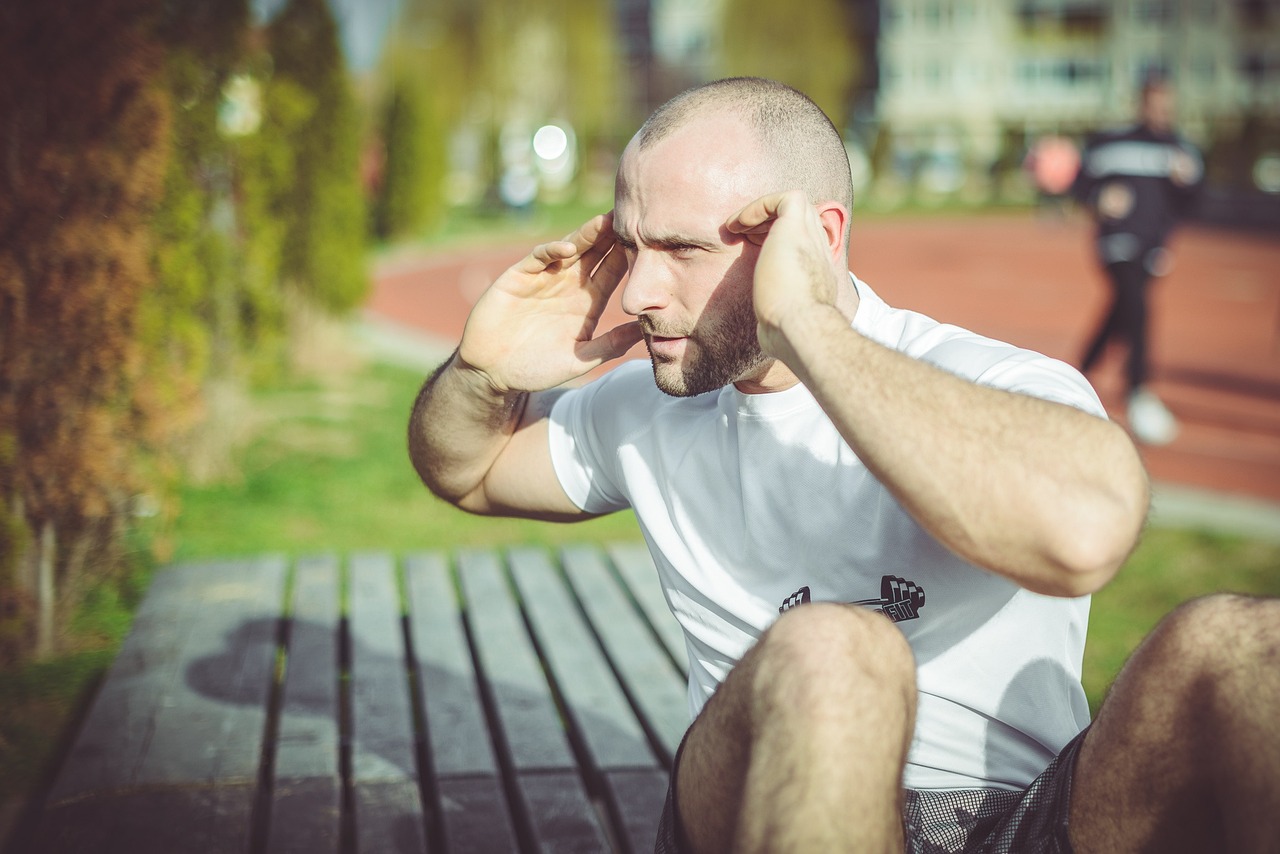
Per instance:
{"type": "Point", "coordinates": [1137, 183]}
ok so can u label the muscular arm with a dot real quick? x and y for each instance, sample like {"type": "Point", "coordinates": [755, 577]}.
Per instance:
{"type": "Point", "coordinates": [1042, 493]}
{"type": "Point", "coordinates": [478, 431]}
{"type": "Point", "coordinates": [1046, 495]}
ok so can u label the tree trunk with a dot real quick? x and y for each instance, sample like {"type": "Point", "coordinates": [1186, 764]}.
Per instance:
{"type": "Point", "coordinates": [46, 599]}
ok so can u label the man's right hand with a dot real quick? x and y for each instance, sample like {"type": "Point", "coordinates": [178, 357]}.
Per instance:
{"type": "Point", "coordinates": [534, 328]}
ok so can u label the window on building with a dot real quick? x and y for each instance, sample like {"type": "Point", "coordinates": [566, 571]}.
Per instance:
{"type": "Point", "coordinates": [1153, 11]}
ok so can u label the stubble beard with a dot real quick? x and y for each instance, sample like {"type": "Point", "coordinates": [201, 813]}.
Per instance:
{"type": "Point", "coordinates": [718, 353]}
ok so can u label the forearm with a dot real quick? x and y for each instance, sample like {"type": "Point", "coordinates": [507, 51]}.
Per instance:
{"type": "Point", "coordinates": [1042, 493]}
{"type": "Point", "coordinates": [459, 426]}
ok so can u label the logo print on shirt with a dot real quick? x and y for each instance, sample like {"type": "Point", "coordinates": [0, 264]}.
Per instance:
{"type": "Point", "coordinates": [800, 597]}
{"type": "Point", "coordinates": [899, 599]}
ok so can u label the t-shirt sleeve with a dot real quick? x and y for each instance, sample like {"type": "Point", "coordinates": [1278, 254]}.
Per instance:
{"type": "Point", "coordinates": [999, 365]}
{"type": "Point", "coordinates": [584, 445]}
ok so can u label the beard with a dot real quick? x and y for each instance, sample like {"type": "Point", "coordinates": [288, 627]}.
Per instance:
{"type": "Point", "coordinates": [720, 350]}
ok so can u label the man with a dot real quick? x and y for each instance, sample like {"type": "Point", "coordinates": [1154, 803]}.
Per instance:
{"type": "Point", "coordinates": [1137, 183]}
{"type": "Point", "coordinates": [928, 508]}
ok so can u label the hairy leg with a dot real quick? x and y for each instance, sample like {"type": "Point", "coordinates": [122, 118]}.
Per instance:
{"type": "Point", "coordinates": [802, 747]}
{"type": "Point", "coordinates": [1185, 753]}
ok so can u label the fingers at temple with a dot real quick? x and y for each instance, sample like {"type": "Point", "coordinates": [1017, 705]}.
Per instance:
{"type": "Point", "coordinates": [602, 239]}
{"type": "Point", "coordinates": [595, 235]}
{"type": "Point", "coordinates": [547, 254]}
{"type": "Point", "coordinates": [759, 214]}
{"type": "Point", "coordinates": [611, 270]}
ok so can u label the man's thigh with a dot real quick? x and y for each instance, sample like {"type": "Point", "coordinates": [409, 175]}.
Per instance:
{"type": "Point", "coordinates": [1195, 701]}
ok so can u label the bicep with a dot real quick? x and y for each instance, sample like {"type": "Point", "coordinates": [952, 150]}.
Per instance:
{"type": "Point", "coordinates": [522, 480]}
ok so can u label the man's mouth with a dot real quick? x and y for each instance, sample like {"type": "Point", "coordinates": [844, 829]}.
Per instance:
{"type": "Point", "coordinates": [665, 346]}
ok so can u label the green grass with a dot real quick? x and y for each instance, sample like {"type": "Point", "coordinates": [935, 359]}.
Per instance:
{"type": "Point", "coordinates": [327, 471]}
{"type": "Point", "coordinates": [330, 473]}
{"type": "Point", "coordinates": [1169, 567]}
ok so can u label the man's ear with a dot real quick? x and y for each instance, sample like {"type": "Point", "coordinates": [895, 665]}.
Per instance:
{"type": "Point", "coordinates": [835, 223]}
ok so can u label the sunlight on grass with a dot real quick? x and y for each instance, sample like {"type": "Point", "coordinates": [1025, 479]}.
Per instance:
{"type": "Point", "coordinates": [334, 476]}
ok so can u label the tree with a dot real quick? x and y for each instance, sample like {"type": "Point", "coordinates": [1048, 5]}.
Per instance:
{"type": "Point", "coordinates": [410, 194]}
{"type": "Point", "coordinates": [809, 46]}
{"type": "Point", "coordinates": [508, 66]}
{"type": "Point", "coordinates": [323, 210]}
{"type": "Point", "coordinates": [84, 149]}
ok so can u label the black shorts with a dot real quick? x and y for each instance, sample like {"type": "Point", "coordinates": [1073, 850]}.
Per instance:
{"type": "Point", "coordinates": [961, 821]}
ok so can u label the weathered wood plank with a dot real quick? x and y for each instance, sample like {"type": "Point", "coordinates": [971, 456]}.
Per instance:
{"type": "Point", "coordinates": [209, 727]}
{"type": "Point", "coordinates": [653, 683]}
{"type": "Point", "coordinates": [115, 733]}
{"type": "Point", "coordinates": [561, 818]}
{"type": "Point", "coordinates": [456, 729]}
{"type": "Point", "coordinates": [564, 822]}
{"type": "Point", "coordinates": [472, 806]}
{"type": "Point", "coordinates": [639, 796]}
{"type": "Point", "coordinates": [474, 815]}
{"type": "Point", "coordinates": [307, 792]}
{"type": "Point", "coordinates": [593, 698]}
{"type": "Point", "coordinates": [388, 806]}
{"type": "Point", "coordinates": [168, 758]}
{"type": "Point", "coordinates": [165, 820]}
{"type": "Point", "coordinates": [189, 700]}
{"type": "Point", "coordinates": [306, 816]}
{"type": "Point", "coordinates": [635, 565]}
{"type": "Point", "coordinates": [530, 721]}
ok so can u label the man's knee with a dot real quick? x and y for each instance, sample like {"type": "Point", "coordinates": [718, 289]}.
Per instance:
{"type": "Point", "coordinates": [1216, 644]}
{"type": "Point", "coordinates": [830, 648]}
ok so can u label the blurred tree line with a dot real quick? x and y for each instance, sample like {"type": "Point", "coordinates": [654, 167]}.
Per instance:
{"type": "Point", "coordinates": [464, 86]}
{"type": "Point", "coordinates": [179, 187]}
{"type": "Point", "coordinates": [175, 187]}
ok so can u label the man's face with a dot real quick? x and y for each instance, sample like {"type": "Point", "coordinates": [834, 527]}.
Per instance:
{"type": "Point", "coordinates": [1158, 108]}
{"type": "Point", "coordinates": [689, 279]}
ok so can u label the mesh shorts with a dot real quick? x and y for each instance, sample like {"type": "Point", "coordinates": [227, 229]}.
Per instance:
{"type": "Point", "coordinates": [962, 821]}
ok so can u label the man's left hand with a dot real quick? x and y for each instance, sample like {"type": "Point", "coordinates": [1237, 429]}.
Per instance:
{"type": "Point", "coordinates": [793, 271]}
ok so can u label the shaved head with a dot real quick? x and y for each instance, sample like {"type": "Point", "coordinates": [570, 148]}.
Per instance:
{"type": "Point", "coordinates": [800, 146]}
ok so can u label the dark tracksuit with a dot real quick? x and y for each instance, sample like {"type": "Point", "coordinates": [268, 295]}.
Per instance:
{"type": "Point", "coordinates": [1131, 247]}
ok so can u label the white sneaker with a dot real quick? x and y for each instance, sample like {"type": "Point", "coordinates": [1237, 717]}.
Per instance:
{"type": "Point", "coordinates": [1151, 422]}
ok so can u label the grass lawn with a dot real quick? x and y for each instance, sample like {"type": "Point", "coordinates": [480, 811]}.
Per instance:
{"type": "Point", "coordinates": [327, 470]}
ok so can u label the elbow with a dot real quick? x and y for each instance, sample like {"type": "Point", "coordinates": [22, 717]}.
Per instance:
{"type": "Point", "coordinates": [1090, 549]}
{"type": "Point", "coordinates": [1085, 568]}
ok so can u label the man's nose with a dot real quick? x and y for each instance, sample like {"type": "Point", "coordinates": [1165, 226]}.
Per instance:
{"type": "Point", "coordinates": [647, 287]}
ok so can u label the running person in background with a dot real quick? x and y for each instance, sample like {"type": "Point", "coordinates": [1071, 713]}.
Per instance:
{"type": "Point", "coordinates": [878, 532]}
{"type": "Point", "coordinates": [1137, 183]}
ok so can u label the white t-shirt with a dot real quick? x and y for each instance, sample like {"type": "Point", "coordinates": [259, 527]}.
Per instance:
{"type": "Point", "coordinates": [749, 502]}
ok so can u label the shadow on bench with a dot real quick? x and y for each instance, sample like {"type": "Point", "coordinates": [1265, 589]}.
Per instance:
{"type": "Point", "coordinates": [483, 701]}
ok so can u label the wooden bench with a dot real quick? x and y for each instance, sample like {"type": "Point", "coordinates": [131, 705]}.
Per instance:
{"type": "Point", "coordinates": [524, 700]}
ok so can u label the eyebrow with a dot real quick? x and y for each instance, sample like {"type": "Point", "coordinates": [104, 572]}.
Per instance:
{"type": "Point", "coordinates": [666, 242]}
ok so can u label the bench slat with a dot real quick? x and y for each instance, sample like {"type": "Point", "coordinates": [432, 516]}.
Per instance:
{"type": "Point", "coordinates": [456, 728]}
{"type": "Point", "coordinates": [219, 706]}
{"type": "Point", "coordinates": [474, 815]}
{"type": "Point", "coordinates": [307, 792]}
{"type": "Point", "coordinates": [640, 795]}
{"type": "Point", "coordinates": [530, 720]}
{"type": "Point", "coordinates": [383, 755]}
{"type": "Point", "coordinates": [657, 689]}
{"type": "Point", "coordinates": [305, 816]}
{"type": "Point", "coordinates": [473, 808]}
{"type": "Point", "coordinates": [561, 818]}
{"type": "Point", "coordinates": [635, 565]}
{"type": "Point", "coordinates": [114, 737]}
{"type": "Point", "coordinates": [595, 701]}
{"type": "Point", "coordinates": [187, 820]}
